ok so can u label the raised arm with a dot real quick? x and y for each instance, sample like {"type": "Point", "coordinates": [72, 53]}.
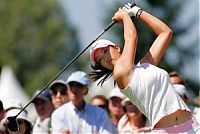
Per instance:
{"type": "Point", "coordinates": [159, 46]}
{"type": "Point", "coordinates": [125, 63]}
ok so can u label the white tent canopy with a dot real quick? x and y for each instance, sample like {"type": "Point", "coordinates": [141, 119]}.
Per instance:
{"type": "Point", "coordinates": [10, 89]}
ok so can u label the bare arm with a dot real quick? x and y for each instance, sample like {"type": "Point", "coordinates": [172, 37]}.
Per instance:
{"type": "Point", "coordinates": [127, 58]}
{"type": "Point", "coordinates": [159, 46]}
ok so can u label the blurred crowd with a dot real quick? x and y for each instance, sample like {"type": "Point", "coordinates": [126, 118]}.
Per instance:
{"type": "Point", "coordinates": [62, 108]}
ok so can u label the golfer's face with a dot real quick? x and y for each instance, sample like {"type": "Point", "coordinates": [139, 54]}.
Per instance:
{"type": "Point", "coordinates": [103, 57]}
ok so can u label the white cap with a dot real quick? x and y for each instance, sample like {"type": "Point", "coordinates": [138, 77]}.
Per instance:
{"type": "Point", "coordinates": [78, 76]}
{"type": "Point", "coordinates": [96, 45]}
{"type": "Point", "coordinates": [57, 82]}
{"type": "Point", "coordinates": [13, 112]}
{"type": "Point", "coordinates": [181, 89]}
{"type": "Point", "coordinates": [116, 93]}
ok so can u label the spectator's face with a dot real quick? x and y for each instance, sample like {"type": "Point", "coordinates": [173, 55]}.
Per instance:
{"type": "Point", "coordinates": [76, 92]}
{"type": "Point", "coordinates": [59, 96]}
{"type": "Point", "coordinates": [131, 108]}
{"type": "Point", "coordinates": [176, 80]}
{"type": "Point", "coordinates": [115, 106]}
{"type": "Point", "coordinates": [99, 102]}
{"type": "Point", "coordinates": [43, 107]}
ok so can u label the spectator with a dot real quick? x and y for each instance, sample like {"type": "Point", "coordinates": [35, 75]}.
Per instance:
{"type": "Point", "coordinates": [114, 105]}
{"type": "Point", "coordinates": [58, 93]}
{"type": "Point", "coordinates": [77, 116]}
{"type": "Point", "coordinates": [44, 109]}
{"type": "Point", "coordinates": [2, 114]}
{"type": "Point", "coordinates": [179, 85]}
{"type": "Point", "coordinates": [133, 121]}
{"type": "Point", "coordinates": [100, 101]}
{"type": "Point", "coordinates": [25, 125]}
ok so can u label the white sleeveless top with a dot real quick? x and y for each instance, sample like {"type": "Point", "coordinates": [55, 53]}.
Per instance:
{"type": "Point", "coordinates": [151, 90]}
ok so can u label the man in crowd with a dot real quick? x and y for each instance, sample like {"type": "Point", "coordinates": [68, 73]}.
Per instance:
{"type": "Point", "coordinates": [44, 109]}
{"type": "Point", "coordinates": [78, 116]}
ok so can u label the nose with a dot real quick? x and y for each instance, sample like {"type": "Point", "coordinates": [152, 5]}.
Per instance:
{"type": "Point", "coordinates": [58, 94]}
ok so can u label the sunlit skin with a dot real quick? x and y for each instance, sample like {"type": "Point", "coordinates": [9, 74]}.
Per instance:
{"type": "Point", "coordinates": [107, 56]}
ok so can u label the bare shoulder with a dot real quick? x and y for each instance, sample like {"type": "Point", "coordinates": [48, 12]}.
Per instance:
{"type": "Point", "coordinates": [122, 72]}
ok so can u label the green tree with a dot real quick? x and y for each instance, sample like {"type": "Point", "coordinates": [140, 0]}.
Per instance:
{"type": "Point", "coordinates": [36, 41]}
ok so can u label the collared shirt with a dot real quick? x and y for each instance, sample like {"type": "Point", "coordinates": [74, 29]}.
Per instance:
{"type": "Point", "coordinates": [42, 126]}
{"type": "Point", "coordinates": [88, 120]}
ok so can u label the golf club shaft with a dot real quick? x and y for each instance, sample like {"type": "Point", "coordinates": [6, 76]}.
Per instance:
{"type": "Point", "coordinates": [76, 57]}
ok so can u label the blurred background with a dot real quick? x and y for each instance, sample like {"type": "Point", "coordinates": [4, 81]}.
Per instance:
{"type": "Point", "coordinates": [39, 37]}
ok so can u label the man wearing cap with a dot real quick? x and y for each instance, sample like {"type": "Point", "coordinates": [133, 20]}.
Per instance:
{"type": "Point", "coordinates": [78, 116]}
{"type": "Point", "coordinates": [58, 93]}
{"type": "Point", "coordinates": [44, 109]}
{"type": "Point", "coordinates": [114, 105]}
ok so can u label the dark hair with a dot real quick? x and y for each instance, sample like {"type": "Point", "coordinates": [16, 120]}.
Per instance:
{"type": "Point", "coordinates": [102, 97]}
{"type": "Point", "coordinates": [100, 72]}
{"type": "Point", "coordinates": [1, 106]}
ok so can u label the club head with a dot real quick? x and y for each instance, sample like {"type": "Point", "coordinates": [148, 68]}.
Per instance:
{"type": "Point", "coordinates": [12, 124]}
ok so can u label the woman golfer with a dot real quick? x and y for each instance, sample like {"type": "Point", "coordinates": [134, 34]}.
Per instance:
{"type": "Point", "coordinates": [146, 85]}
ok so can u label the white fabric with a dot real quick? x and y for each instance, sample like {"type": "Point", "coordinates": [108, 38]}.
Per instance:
{"type": "Point", "coordinates": [89, 120]}
{"type": "Point", "coordinates": [127, 129]}
{"type": "Point", "coordinates": [152, 92]}
{"type": "Point", "coordinates": [116, 93]}
{"type": "Point", "coordinates": [42, 126]}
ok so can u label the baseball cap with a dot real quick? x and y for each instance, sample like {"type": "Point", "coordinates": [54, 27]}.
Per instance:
{"type": "Point", "coordinates": [57, 82]}
{"type": "Point", "coordinates": [96, 45]}
{"type": "Point", "coordinates": [79, 77]}
{"type": "Point", "coordinates": [181, 89]}
{"type": "Point", "coordinates": [116, 93]}
{"type": "Point", "coordinates": [44, 95]}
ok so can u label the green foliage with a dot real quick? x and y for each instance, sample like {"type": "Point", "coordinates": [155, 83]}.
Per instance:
{"type": "Point", "coordinates": [35, 40]}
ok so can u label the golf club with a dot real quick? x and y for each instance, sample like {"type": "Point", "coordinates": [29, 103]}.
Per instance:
{"type": "Point", "coordinates": [11, 122]}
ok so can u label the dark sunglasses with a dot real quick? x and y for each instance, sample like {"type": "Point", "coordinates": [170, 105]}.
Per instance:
{"type": "Point", "coordinates": [102, 106]}
{"type": "Point", "coordinates": [62, 92]}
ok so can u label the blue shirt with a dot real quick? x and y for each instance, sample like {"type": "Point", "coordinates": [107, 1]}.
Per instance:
{"type": "Point", "coordinates": [88, 120]}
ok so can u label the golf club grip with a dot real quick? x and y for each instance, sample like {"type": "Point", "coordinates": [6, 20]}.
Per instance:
{"type": "Point", "coordinates": [76, 57]}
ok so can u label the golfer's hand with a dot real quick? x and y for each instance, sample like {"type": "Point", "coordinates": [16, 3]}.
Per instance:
{"type": "Point", "coordinates": [120, 15]}
{"type": "Point", "coordinates": [133, 10]}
